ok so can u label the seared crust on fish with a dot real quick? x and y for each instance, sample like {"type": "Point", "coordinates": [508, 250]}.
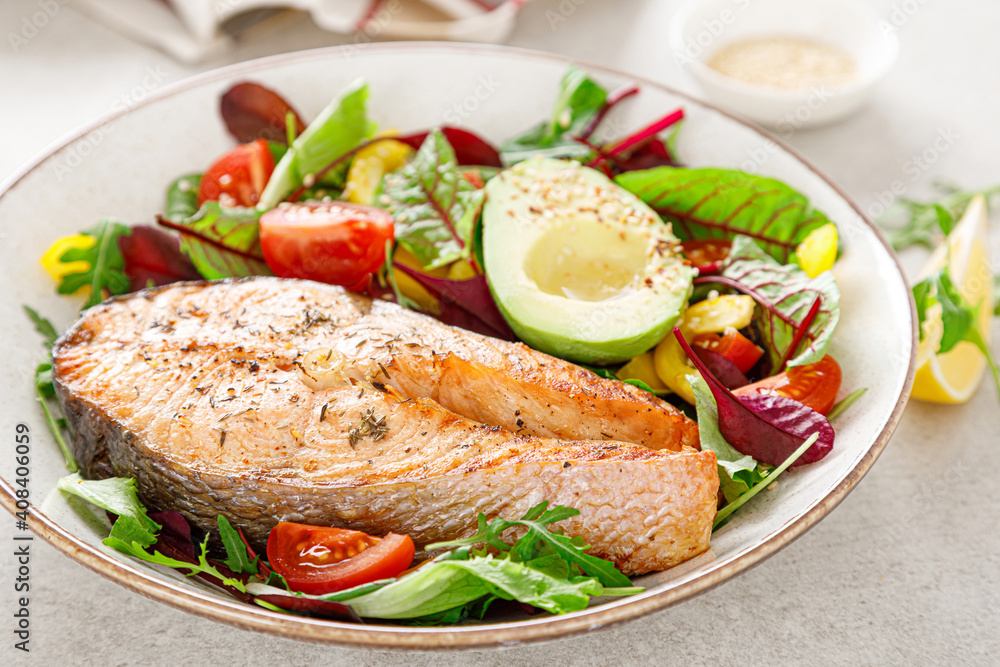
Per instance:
{"type": "Point", "coordinates": [199, 392]}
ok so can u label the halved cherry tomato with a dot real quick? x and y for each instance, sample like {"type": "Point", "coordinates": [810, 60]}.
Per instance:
{"type": "Point", "coordinates": [704, 253]}
{"type": "Point", "coordinates": [733, 346]}
{"type": "Point", "coordinates": [238, 177]}
{"type": "Point", "coordinates": [318, 560]}
{"type": "Point", "coordinates": [814, 385]}
{"type": "Point", "coordinates": [475, 177]}
{"type": "Point", "coordinates": [330, 242]}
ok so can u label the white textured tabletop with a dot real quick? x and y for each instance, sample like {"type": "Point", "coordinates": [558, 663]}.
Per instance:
{"type": "Point", "coordinates": [905, 571]}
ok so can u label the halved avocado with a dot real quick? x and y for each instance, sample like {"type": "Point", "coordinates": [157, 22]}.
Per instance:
{"type": "Point", "coordinates": [579, 267]}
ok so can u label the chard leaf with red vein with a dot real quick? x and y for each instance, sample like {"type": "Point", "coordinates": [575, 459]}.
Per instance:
{"type": "Point", "coordinates": [153, 257]}
{"type": "Point", "coordinates": [252, 111]}
{"type": "Point", "coordinates": [222, 242]}
{"type": "Point", "coordinates": [784, 294]}
{"type": "Point", "coordinates": [464, 303]}
{"type": "Point", "coordinates": [767, 427]}
{"type": "Point", "coordinates": [709, 203]}
{"type": "Point", "coordinates": [434, 207]}
{"type": "Point", "coordinates": [470, 149]}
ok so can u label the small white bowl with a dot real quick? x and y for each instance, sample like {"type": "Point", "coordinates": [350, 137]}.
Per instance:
{"type": "Point", "coordinates": [702, 27]}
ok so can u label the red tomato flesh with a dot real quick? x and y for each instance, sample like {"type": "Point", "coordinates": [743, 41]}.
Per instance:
{"type": "Point", "coordinates": [733, 346]}
{"type": "Point", "coordinates": [814, 385]}
{"type": "Point", "coordinates": [239, 177]}
{"type": "Point", "coordinates": [318, 560]}
{"type": "Point", "coordinates": [330, 242]}
{"type": "Point", "coordinates": [706, 253]}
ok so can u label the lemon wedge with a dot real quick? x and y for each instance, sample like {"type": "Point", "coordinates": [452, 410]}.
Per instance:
{"type": "Point", "coordinates": [954, 376]}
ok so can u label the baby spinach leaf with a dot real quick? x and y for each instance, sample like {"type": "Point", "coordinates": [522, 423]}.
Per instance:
{"type": "Point", "coordinates": [338, 129]}
{"type": "Point", "coordinates": [182, 198]}
{"type": "Point", "coordinates": [709, 203]}
{"type": "Point", "coordinates": [579, 100]}
{"type": "Point", "coordinates": [785, 295]}
{"type": "Point", "coordinates": [737, 471]}
{"type": "Point", "coordinates": [237, 558]}
{"type": "Point", "coordinates": [118, 496]}
{"type": "Point", "coordinates": [222, 242]}
{"type": "Point", "coordinates": [105, 271]}
{"type": "Point", "coordinates": [434, 207]}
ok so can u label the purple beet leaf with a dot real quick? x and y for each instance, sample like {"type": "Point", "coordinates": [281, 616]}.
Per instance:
{"type": "Point", "coordinates": [153, 256]}
{"type": "Point", "coordinates": [722, 368]}
{"type": "Point", "coordinates": [768, 428]}
{"type": "Point", "coordinates": [309, 606]}
{"type": "Point", "coordinates": [470, 149]}
{"type": "Point", "coordinates": [251, 111]}
{"type": "Point", "coordinates": [464, 303]}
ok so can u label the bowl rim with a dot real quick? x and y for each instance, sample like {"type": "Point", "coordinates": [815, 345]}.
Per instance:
{"type": "Point", "coordinates": [386, 637]}
{"type": "Point", "coordinates": [698, 67]}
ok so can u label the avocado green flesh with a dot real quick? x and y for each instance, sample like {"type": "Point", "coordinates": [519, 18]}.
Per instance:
{"type": "Point", "coordinates": [579, 267]}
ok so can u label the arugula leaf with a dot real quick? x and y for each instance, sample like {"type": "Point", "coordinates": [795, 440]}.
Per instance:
{"type": "Point", "coordinates": [737, 472]}
{"type": "Point", "coordinates": [182, 198]}
{"type": "Point", "coordinates": [237, 558]}
{"type": "Point", "coordinates": [442, 586]}
{"type": "Point", "coordinates": [434, 207]}
{"type": "Point", "coordinates": [841, 406]}
{"type": "Point", "coordinates": [340, 127]}
{"type": "Point", "coordinates": [785, 294]}
{"type": "Point", "coordinates": [937, 296]}
{"type": "Point", "coordinates": [118, 496]}
{"type": "Point", "coordinates": [42, 325]}
{"type": "Point", "coordinates": [996, 294]}
{"type": "Point", "coordinates": [203, 566]}
{"type": "Point", "coordinates": [536, 520]}
{"type": "Point", "coordinates": [222, 242]}
{"type": "Point", "coordinates": [579, 99]}
{"type": "Point", "coordinates": [45, 393]}
{"type": "Point", "coordinates": [909, 222]}
{"type": "Point", "coordinates": [133, 531]}
{"type": "Point", "coordinates": [709, 203]}
{"type": "Point", "coordinates": [105, 271]}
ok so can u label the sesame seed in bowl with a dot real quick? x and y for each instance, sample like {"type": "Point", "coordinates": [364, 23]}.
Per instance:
{"type": "Point", "coordinates": [785, 64]}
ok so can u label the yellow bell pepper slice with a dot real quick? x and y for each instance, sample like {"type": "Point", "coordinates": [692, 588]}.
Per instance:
{"type": "Point", "coordinates": [411, 288]}
{"type": "Point", "coordinates": [818, 251]}
{"type": "Point", "coordinates": [369, 166]}
{"type": "Point", "coordinates": [643, 368]}
{"type": "Point", "coordinates": [708, 316]}
{"type": "Point", "coordinates": [54, 266]}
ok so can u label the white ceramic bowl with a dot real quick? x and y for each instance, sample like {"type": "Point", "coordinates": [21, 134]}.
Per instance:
{"type": "Point", "coordinates": [119, 166]}
{"type": "Point", "coordinates": [702, 27]}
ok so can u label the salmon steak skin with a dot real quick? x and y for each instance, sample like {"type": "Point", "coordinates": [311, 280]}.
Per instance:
{"type": "Point", "coordinates": [270, 400]}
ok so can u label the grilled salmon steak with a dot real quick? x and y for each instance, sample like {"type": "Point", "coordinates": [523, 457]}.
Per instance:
{"type": "Point", "coordinates": [273, 400]}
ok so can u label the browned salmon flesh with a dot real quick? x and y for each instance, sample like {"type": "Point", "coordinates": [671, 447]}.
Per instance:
{"type": "Point", "coordinates": [272, 400]}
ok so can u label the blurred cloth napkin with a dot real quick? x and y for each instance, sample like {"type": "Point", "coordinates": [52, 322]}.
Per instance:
{"type": "Point", "coordinates": [191, 30]}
